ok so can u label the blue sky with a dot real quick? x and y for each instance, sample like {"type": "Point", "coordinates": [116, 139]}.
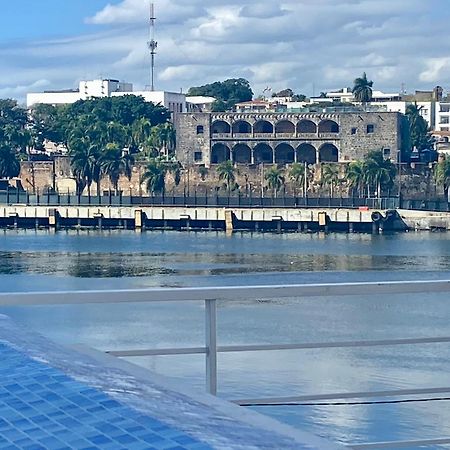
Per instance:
{"type": "Point", "coordinates": [27, 19]}
{"type": "Point", "coordinates": [308, 45]}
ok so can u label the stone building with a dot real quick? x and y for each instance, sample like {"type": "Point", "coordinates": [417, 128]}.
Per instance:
{"type": "Point", "coordinates": [283, 138]}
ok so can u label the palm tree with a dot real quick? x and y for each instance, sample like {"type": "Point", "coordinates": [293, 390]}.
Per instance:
{"type": "Point", "coordinates": [140, 133]}
{"type": "Point", "coordinates": [85, 163]}
{"type": "Point", "coordinates": [297, 175]}
{"type": "Point", "coordinates": [418, 128]}
{"type": "Point", "coordinates": [330, 176]}
{"type": "Point", "coordinates": [227, 174]}
{"type": "Point", "coordinates": [355, 175]}
{"type": "Point", "coordinates": [116, 162]}
{"type": "Point", "coordinates": [275, 179]}
{"type": "Point", "coordinates": [442, 174]}
{"type": "Point", "coordinates": [154, 176]}
{"type": "Point", "coordinates": [362, 89]}
{"type": "Point", "coordinates": [163, 137]}
{"type": "Point", "coordinates": [379, 172]}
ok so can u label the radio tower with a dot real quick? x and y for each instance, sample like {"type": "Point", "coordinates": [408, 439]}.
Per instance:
{"type": "Point", "coordinates": [152, 44]}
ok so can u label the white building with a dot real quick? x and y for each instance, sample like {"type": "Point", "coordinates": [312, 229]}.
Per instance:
{"type": "Point", "coordinates": [174, 102]}
{"type": "Point", "coordinates": [199, 103]}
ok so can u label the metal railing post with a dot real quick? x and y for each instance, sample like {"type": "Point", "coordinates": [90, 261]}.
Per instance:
{"type": "Point", "coordinates": [211, 345]}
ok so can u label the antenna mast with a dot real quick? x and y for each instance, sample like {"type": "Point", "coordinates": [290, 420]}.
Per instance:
{"type": "Point", "coordinates": [152, 44]}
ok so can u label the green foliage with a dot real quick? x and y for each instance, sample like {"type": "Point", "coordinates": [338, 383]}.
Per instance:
{"type": "Point", "coordinates": [154, 176]}
{"type": "Point", "coordinates": [442, 173]}
{"type": "Point", "coordinates": [298, 174]}
{"type": "Point", "coordinates": [9, 163]}
{"type": "Point", "coordinates": [330, 176]}
{"type": "Point", "coordinates": [155, 173]}
{"type": "Point", "coordinates": [114, 162]}
{"type": "Point", "coordinates": [227, 93]}
{"type": "Point", "coordinates": [374, 173]}
{"type": "Point", "coordinates": [362, 89]}
{"type": "Point", "coordinates": [163, 139]}
{"type": "Point", "coordinates": [14, 137]}
{"type": "Point", "coordinates": [48, 122]}
{"type": "Point", "coordinates": [275, 179]}
{"type": "Point", "coordinates": [418, 128]}
{"type": "Point", "coordinates": [227, 174]}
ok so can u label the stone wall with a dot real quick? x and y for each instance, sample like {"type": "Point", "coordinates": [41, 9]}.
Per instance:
{"type": "Point", "coordinates": [192, 139]}
{"type": "Point", "coordinates": [357, 141]}
{"type": "Point", "coordinates": [351, 135]}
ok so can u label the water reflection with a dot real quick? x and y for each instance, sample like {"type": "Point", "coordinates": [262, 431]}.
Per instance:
{"type": "Point", "coordinates": [32, 260]}
{"type": "Point", "coordinates": [119, 265]}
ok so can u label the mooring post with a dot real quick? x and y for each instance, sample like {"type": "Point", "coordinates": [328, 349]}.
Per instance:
{"type": "Point", "coordinates": [211, 345]}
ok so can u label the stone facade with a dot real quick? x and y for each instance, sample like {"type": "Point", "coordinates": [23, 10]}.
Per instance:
{"type": "Point", "coordinates": [283, 138]}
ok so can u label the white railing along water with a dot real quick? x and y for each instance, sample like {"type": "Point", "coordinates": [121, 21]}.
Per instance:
{"type": "Point", "coordinates": [210, 297]}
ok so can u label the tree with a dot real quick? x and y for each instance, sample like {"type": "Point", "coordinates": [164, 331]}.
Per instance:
{"type": "Point", "coordinates": [85, 163]}
{"type": "Point", "coordinates": [48, 122]}
{"type": "Point", "coordinates": [163, 138]}
{"type": "Point", "coordinates": [275, 179]}
{"type": "Point", "coordinates": [154, 176]}
{"type": "Point", "coordinates": [418, 128]}
{"type": "Point", "coordinates": [9, 163]}
{"type": "Point", "coordinates": [227, 174]}
{"type": "Point", "coordinates": [330, 176]}
{"type": "Point", "coordinates": [355, 175]}
{"type": "Point", "coordinates": [115, 162]}
{"type": "Point", "coordinates": [297, 174]}
{"type": "Point", "coordinates": [442, 174]}
{"type": "Point", "coordinates": [362, 89]}
{"type": "Point", "coordinates": [379, 172]}
{"type": "Point", "coordinates": [299, 98]}
{"type": "Point", "coordinates": [284, 93]}
{"type": "Point", "coordinates": [227, 93]}
{"type": "Point", "coordinates": [13, 126]}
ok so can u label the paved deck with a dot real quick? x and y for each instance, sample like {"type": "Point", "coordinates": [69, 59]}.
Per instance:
{"type": "Point", "coordinates": [52, 397]}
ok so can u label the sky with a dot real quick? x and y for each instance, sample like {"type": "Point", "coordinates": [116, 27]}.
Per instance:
{"type": "Point", "coordinates": [307, 45]}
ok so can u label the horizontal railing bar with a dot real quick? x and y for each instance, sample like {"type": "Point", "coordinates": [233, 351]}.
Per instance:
{"type": "Point", "coordinates": [227, 293]}
{"type": "Point", "coordinates": [401, 444]}
{"type": "Point", "coordinates": [337, 396]}
{"type": "Point", "coordinates": [346, 344]}
{"type": "Point", "coordinates": [275, 347]}
{"type": "Point", "coordinates": [158, 352]}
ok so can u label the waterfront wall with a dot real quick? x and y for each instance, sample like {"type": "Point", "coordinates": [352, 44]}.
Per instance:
{"type": "Point", "coordinates": [39, 176]}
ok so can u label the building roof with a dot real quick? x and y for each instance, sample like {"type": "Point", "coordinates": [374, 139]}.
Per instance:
{"type": "Point", "coordinates": [200, 99]}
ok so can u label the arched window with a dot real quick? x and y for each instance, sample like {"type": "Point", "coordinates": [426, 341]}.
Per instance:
{"type": "Point", "coordinates": [328, 153]}
{"type": "Point", "coordinates": [242, 154]}
{"type": "Point", "coordinates": [262, 127]}
{"type": "Point", "coordinates": [263, 154]}
{"type": "Point", "coordinates": [221, 127]}
{"type": "Point", "coordinates": [242, 127]}
{"type": "Point", "coordinates": [328, 126]}
{"type": "Point", "coordinates": [307, 126]}
{"type": "Point", "coordinates": [284, 154]}
{"type": "Point", "coordinates": [306, 153]}
{"type": "Point", "coordinates": [219, 153]}
{"type": "Point", "coordinates": [285, 127]}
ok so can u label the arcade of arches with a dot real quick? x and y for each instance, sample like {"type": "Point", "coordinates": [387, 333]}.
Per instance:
{"type": "Point", "coordinates": [280, 154]}
{"type": "Point", "coordinates": [304, 126]}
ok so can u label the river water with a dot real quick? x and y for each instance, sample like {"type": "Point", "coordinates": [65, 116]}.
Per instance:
{"type": "Point", "coordinates": [81, 260]}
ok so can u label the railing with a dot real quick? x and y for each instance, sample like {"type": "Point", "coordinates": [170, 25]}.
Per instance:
{"type": "Point", "coordinates": [210, 297]}
{"type": "Point", "coordinates": [207, 198]}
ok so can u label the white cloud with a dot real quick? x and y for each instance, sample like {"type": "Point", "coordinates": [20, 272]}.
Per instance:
{"type": "Point", "coordinates": [295, 43]}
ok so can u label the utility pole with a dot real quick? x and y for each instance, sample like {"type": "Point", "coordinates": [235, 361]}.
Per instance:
{"type": "Point", "coordinates": [152, 45]}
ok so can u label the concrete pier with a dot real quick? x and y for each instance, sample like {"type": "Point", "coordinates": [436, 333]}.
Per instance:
{"type": "Point", "coordinates": [218, 218]}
